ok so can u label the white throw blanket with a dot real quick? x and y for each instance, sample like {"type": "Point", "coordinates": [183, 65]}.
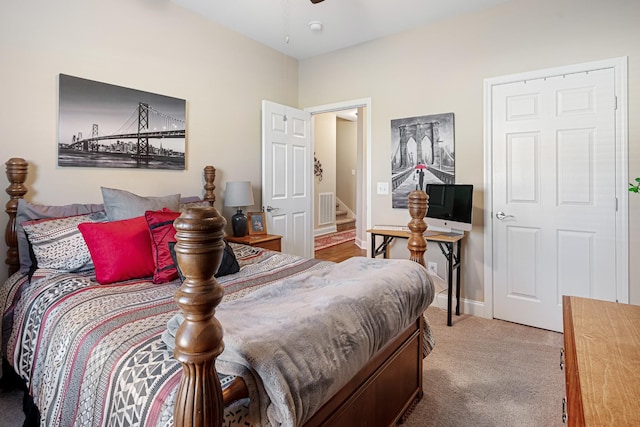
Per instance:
{"type": "Point", "coordinates": [298, 341]}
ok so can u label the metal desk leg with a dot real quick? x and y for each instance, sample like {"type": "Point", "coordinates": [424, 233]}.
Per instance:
{"type": "Point", "coordinates": [387, 242]}
{"type": "Point", "coordinates": [373, 245]}
{"type": "Point", "coordinates": [449, 256]}
{"type": "Point", "coordinates": [453, 262]}
{"type": "Point", "coordinates": [459, 264]}
{"type": "Point", "coordinates": [383, 248]}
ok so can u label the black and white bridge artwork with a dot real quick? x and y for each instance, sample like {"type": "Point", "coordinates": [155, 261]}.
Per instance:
{"type": "Point", "coordinates": [143, 130]}
{"type": "Point", "coordinates": [422, 152]}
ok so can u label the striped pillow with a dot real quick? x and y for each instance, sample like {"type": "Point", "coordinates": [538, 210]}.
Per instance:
{"type": "Point", "coordinates": [58, 244]}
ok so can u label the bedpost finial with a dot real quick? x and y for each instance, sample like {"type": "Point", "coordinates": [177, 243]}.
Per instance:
{"type": "Point", "coordinates": [209, 186]}
{"type": "Point", "coordinates": [199, 247]}
{"type": "Point", "coordinates": [17, 175]}
{"type": "Point", "coordinates": [16, 169]}
{"type": "Point", "coordinates": [417, 245]}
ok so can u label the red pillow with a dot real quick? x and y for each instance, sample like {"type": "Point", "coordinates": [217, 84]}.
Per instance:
{"type": "Point", "coordinates": [120, 250]}
{"type": "Point", "coordinates": [162, 232]}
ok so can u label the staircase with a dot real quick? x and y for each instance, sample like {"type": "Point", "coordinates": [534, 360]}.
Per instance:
{"type": "Point", "coordinates": [342, 222]}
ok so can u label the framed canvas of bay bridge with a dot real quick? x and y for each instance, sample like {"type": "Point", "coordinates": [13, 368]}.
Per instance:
{"type": "Point", "coordinates": [422, 152]}
{"type": "Point", "coordinates": [103, 125]}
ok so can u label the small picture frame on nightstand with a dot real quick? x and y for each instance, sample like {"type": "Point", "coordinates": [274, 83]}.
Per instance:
{"type": "Point", "coordinates": [257, 223]}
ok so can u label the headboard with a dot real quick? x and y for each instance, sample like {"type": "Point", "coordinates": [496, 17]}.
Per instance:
{"type": "Point", "coordinates": [17, 169]}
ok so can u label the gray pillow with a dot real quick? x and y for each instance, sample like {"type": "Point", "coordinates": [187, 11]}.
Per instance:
{"type": "Point", "coordinates": [29, 212]}
{"type": "Point", "coordinates": [121, 204]}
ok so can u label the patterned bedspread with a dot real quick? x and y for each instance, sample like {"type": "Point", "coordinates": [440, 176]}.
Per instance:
{"type": "Point", "coordinates": [92, 355]}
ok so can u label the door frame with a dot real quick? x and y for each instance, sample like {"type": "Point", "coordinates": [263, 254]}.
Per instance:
{"type": "Point", "coordinates": [363, 191]}
{"type": "Point", "coordinates": [622, 153]}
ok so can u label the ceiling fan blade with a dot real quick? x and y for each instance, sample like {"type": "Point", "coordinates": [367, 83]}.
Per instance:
{"type": "Point", "coordinates": [316, 1]}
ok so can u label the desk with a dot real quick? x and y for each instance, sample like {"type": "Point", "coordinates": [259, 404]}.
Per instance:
{"type": "Point", "coordinates": [446, 242]}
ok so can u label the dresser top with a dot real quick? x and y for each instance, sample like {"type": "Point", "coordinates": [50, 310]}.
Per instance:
{"type": "Point", "coordinates": [605, 337]}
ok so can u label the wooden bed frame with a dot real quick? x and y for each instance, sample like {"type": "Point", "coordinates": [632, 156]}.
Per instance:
{"type": "Point", "coordinates": [383, 393]}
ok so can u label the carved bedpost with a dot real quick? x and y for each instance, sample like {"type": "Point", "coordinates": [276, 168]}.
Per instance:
{"type": "Point", "coordinates": [199, 250]}
{"type": "Point", "coordinates": [418, 202]}
{"type": "Point", "coordinates": [17, 175]}
{"type": "Point", "coordinates": [209, 186]}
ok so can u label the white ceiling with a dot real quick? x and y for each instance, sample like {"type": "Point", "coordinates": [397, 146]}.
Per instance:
{"type": "Point", "coordinates": [345, 22]}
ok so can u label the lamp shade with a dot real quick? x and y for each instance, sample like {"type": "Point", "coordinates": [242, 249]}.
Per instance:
{"type": "Point", "coordinates": [238, 194]}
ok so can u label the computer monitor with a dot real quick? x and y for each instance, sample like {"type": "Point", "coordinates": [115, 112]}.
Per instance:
{"type": "Point", "coordinates": [450, 207]}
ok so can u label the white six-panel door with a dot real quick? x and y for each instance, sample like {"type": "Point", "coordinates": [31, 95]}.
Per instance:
{"type": "Point", "coordinates": [286, 176]}
{"type": "Point", "coordinates": [554, 195]}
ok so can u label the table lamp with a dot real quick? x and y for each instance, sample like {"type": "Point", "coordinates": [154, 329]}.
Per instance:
{"type": "Point", "coordinates": [238, 194]}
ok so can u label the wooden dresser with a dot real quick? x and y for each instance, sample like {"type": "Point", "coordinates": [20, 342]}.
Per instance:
{"type": "Point", "coordinates": [602, 362]}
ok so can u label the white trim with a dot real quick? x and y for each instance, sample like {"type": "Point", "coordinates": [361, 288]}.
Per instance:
{"type": "Point", "coordinates": [622, 153]}
{"type": "Point", "coordinates": [622, 192]}
{"type": "Point", "coordinates": [364, 211]}
{"type": "Point", "coordinates": [467, 306]}
{"type": "Point", "coordinates": [488, 212]}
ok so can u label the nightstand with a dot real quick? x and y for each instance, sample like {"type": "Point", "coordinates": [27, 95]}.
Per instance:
{"type": "Point", "coordinates": [266, 241]}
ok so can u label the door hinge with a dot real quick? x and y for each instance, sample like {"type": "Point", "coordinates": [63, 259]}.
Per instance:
{"type": "Point", "coordinates": [616, 204]}
{"type": "Point", "coordinates": [615, 102]}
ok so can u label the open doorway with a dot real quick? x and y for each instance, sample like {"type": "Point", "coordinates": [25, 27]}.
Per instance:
{"type": "Point", "coordinates": [335, 148]}
{"type": "Point", "coordinates": [340, 139]}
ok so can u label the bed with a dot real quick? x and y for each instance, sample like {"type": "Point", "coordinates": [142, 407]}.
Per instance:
{"type": "Point", "coordinates": [134, 352]}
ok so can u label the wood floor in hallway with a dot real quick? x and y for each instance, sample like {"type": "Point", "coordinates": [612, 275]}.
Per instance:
{"type": "Point", "coordinates": [340, 252]}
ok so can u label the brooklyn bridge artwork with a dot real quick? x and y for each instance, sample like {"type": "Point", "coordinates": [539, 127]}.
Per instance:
{"type": "Point", "coordinates": [422, 152]}
{"type": "Point", "coordinates": [103, 125]}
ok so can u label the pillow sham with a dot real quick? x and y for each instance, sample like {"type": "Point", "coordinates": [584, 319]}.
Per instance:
{"type": "Point", "coordinates": [57, 243]}
{"type": "Point", "coordinates": [121, 204]}
{"type": "Point", "coordinates": [193, 204]}
{"type": "Point", "coordinates": [120, 250]}
{"type": "Point", "coordinates": [228, 265]}
{"type": "Point", "coordinates": [28, 211]}
{"type": "Point", "coordinates": [161, 232]}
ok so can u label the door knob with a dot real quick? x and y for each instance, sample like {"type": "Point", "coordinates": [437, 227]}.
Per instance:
{"type": "Point", "coordinates": [501, 215]}
{"type": "Point", "coordinates": [269, 208]}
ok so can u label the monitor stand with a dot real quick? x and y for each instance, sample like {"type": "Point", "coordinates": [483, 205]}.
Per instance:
{"type": "Point", "coordinates": [433, 230]}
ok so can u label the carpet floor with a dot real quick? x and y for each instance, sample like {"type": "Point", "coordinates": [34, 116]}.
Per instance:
{"type": "Point", "coordinates": [487, 372]}
{"type": "Point", "coordinates": [333, 239]}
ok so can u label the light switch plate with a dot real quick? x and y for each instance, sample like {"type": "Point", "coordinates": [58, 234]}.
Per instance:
{"type": "Point", "coordinates": [433, 268]}
{"type": "Point", "coordinates": [383, 188]}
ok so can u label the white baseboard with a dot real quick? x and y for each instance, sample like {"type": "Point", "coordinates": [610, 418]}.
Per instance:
{"type": "Point", "coordinates": [467, 306]}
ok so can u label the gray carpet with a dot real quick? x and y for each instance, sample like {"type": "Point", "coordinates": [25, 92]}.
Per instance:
{"type": "Point", "coordinates": [481, 373]}
{"type": "Point", "coordinates": [490, 373]}
{"type": "Point", "coordinates": [11, 408]}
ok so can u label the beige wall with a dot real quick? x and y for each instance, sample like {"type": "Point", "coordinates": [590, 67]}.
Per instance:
{"type": "Point", "coordinates": [441, 68]}
{"type": "Point", "coordinates": [153, 46]}
{"type": "Point", "coordinates": [324, 137]}
{"type": "Point", "coordinates": [346, 145]}
{"type": "Point", "coordinates": [159, 47]}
